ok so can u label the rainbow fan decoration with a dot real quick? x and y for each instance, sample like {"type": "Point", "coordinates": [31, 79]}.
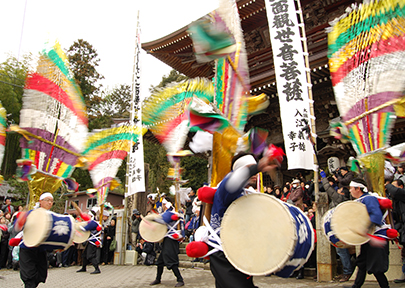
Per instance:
{"type": "Point", "coordinates": [165, 112]}
{"type": "Point", "coordinates": [367, 65]}
{"type": "Point", "coordinates": [104, 153]}
{"type": "Point", "coordinates": [53, 121]}
{"type": "Point", "coordinates": [231, 79]}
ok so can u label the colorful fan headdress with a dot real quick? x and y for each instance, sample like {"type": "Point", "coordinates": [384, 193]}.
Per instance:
{"type": "Point", "coordinates": [53, 121]}
{"type": "Point", "coordinates": [219, 36]}
{"type": "Point", "coordinates": [367, 58]}
{"type": "Point", "coordinates": [104, 153]}
{"type": "Point", "coordinates": [165, 112]}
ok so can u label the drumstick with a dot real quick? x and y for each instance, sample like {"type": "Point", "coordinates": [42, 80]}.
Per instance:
{"type": "Point", "coordinates": [76, 207]}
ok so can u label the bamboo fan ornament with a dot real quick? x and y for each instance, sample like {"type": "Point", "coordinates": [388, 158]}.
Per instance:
{"type": "Point", "coordinates": [53, 123]}
{"type": "Point", "coordinates": [367, 63]}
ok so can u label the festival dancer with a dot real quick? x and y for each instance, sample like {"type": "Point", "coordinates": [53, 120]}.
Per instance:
{"type": "Point", "coordinates": [169, 256]}
{"type": "Point", "coordinates": [244, 167]}
{"type": "Point", "coordinates": [92, 252]}
{"type": "Point", "coordinates": [33, 260]}
{"type": "Point", "coordinates": [373, 256]}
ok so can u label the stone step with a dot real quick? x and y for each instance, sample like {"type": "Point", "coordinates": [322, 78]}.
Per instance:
{"type": "Point", "coordinates": [184, 257]}
{"type": "Point", "coordinates": [195, 265]}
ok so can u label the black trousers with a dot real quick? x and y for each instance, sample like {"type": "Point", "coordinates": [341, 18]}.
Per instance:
{"type": "Point", "coordinates": [33, 267]}
{"type": "Point", "coordinates": [91, 254]}
{"type": "Point", "coordinates": [227, 276]}
{"type": "Point", "coordinates": [169, 257]}
{"type": "Point", "coordinates": [373, 260]}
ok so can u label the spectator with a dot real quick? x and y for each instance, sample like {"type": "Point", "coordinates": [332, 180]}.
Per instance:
{"type": "Point", "coordinates": [397, 192]}
{"type": "Point", "coordinates": [296, 195]}
{"type": "Point", "coordinates": [136, 220]}
{"type": "Point", "coordinates": [7, 215]}
{"type": "Point", "coordinates": [399, 174]}
{"type": "Point", "coordinates": [4, 244]}
{"type": "Point", "coordinates": [146, 251]}
{"type": "Point", "coordinates": [343, 176]}
{"type": "Point", "coordinates": [286, 193]}
{"type": "Point", "coordinates": [336, 196]}
{"type": "Point", "coordinates": [109, 236]}
{"type": "Point", "coordinates": [269, 190]}
{"type": "Point", "coordinates": [277, 192]}
{"type": "Point", "coordinates": [7, 207]}
{"type": "Point", "coordinates": [189, 205]}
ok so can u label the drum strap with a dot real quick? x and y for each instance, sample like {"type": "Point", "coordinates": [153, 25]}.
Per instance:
{"type": "Point", "coordinates": [212, 239]}
{"type": "Point", "coordinates": [172, 229]}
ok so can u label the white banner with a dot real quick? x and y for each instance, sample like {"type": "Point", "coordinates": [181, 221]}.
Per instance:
{"type": "Point", "coordinates": [291, 80]}
{"type": "Point", "coordinates": [135, 167]}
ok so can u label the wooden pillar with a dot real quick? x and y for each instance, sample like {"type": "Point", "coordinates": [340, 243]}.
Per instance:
{"type": "Point", "coordinates": [326, 257]}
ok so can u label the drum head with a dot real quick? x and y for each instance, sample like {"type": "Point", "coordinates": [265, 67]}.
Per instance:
{"type": "Point", "coordinates": [37, 227]}
{"type": "Point", "coordinates": [349, 221]}
{"type": "Point", "coordinates": [258, 234]}
{"type": "Point", "coordinates": [79, 236]}
{"type": "Point", "coordinates": [151, 230]}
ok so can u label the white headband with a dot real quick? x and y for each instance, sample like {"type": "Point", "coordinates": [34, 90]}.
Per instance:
{"type": "Point", "coordinates": [243, 161]}
{"type": "Point", "coordinates": [44, 195]}
{"type": "Point", "coordinates": [356, 184]}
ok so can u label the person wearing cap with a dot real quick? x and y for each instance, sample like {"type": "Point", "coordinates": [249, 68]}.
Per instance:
{"type": "Point", "coordinates": [7, 207]}
{"type": "Point", "coordinates": [343, 176]}
{"type": "Point", "coordinates": [297, 194]}
{"type": "Point", "coordinates": [136, 220]}
{"type": "Point", "coordinates": [244, 169]}
{"type": "Point", "coordinates": [335, 198]}
{"type": "Point", "coordinates": [373, 256]}
{"type": "Point", "coordinates": [33, 260]}
{"type": "Point", "coordinates": [189, 205]}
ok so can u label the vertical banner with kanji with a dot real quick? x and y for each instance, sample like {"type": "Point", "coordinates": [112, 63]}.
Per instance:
{"type": "Point", "coordinates": [135, 167]}
{"type": "Point", "coordinates": [291, 81]}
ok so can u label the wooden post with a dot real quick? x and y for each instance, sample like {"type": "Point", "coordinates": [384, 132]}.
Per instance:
{"type": "Point", "coordinates": [324, 255]}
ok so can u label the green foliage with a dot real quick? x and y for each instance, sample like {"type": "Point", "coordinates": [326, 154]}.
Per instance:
{"type": "Point", "coordinates": [12, 80]}
{"type": "Point", "coordinates": [155, 156]}
{"type": "Point", "coordinates": [83, 60]}
{"type": "Point", "coordinates": [59, 201]}
{"type": "Point", "coordinates": [195, 170]}
{"type": "Point", "coordinates": [117, 103]}
{"type": "Point", "coordinates": [83, 178]}
{"type": "Point", "coordinates": [173, 76]}
{"type": "Point", "coordinates": [12, 152]}
{"type": "Point", "coordinates": [20, 189]}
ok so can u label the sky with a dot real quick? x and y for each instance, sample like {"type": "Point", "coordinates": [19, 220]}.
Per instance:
{"type": "Point", "coordinates": [109, 26]}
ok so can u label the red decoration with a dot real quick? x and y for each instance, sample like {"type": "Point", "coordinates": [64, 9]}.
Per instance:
{"type": "Point", "coordinates": [98, 228]}
{"type": "Point", "coordinates": [274, 153]}
{"type": "Point", "coordinates": [206, 194]}
{"type": "Point", "coordinates": [175, 217]}
{"type": "Point", "coordinates": [197, 249]}
{"type": "Point", "coordinates": [385, 203]}
{"type": "Point", "coordinates": [392, 233]}
{"type": "Point", "coordinates": [14, 241]}
{"type": "Point", "coordinates": [85, 217]}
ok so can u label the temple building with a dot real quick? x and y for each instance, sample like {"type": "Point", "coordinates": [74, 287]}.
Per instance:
{"type": "Point", "coordinates": [176, 50]}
